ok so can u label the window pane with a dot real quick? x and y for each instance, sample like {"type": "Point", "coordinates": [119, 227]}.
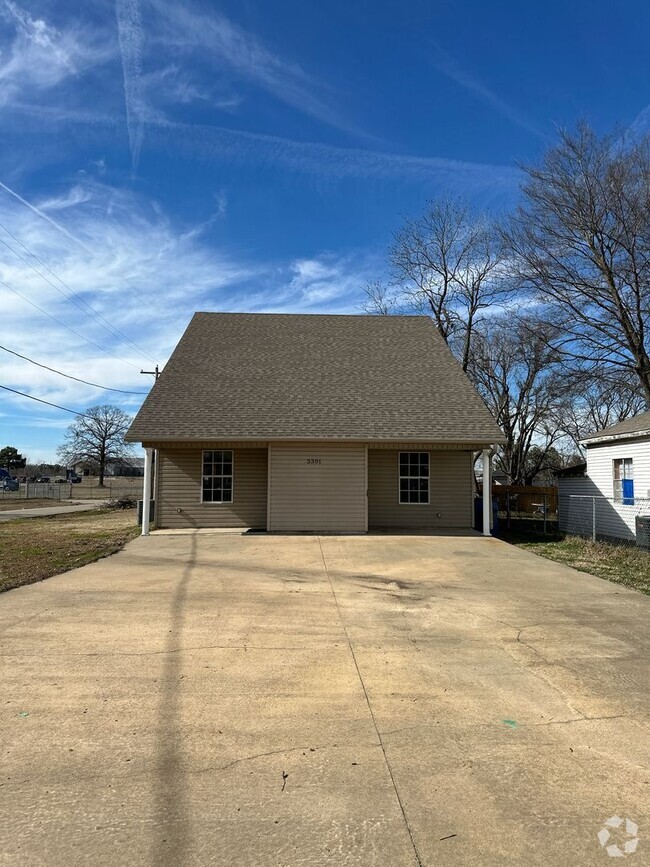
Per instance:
{"type": "Point", "coordinates": [217, 476]}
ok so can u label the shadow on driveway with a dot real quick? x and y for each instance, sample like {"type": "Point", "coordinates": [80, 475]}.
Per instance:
{"type": "Point", "coordinates": [172, 820]}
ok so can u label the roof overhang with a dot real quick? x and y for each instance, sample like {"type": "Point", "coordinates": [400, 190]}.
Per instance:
{"type": "Point", "coordinates": [473, 444]}
{"type": "Point", "coordinates": [610, 438]}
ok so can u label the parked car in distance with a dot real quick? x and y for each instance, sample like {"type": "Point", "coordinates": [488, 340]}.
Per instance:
{"type": "Point", "coordinates": [9, 484]}
{"type": "Point", "coordinates": [60, 481]}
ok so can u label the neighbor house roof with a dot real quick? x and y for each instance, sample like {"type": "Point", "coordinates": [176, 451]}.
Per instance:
{"type": "Point", "coordinates": [237, 376]}
{"type": "Point", "coordinates": [631, 428]}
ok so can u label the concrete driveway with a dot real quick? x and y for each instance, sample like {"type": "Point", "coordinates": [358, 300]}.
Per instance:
{"type": "Point", "coordinates": [267, 700]}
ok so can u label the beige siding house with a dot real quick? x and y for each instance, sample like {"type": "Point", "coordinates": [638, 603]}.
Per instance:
{"type": "Point", "coordinates": [308, 423]}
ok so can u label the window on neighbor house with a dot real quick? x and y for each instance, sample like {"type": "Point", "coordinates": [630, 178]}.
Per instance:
{"type": "Point", "coordinates": [414, 477]}
{"type": "Point", "coordinates": [624, 481]}
{"type": "Point", "coordinates": [217, 476]}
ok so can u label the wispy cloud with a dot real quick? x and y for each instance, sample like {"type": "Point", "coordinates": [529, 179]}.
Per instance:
{"type": "Point", "coordinates": [446, 64]}
{"type": "Point", "coordinates": [326, 282]}
{"type": "Point", "coordinates": [39, 56]}
{"type": "Point", "coordinates": [147, 276]}
{"type": "Point", "coordinates": [138, 270]}
{"type": "Point", "coordinates": [231, 48]}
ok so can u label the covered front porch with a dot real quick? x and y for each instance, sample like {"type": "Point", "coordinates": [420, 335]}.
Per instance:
{"type": "Point", "coordinates": [311, 486]}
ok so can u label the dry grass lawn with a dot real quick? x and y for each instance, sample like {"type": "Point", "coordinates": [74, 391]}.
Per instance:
{"type": "Point", "coordinates": [115, 487]}
{"type": "Point", "coordinates": [623, 564]}
{"type": "Point", "coordinates": [35, 548]}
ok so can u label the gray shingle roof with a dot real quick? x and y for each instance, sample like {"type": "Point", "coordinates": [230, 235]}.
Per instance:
{"type": "Point", "coordinates": [637, 425]}
{"type": "Point", "coordinates": [276, 376]}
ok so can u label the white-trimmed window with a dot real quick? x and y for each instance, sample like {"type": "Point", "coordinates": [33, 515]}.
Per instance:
{"type": "Point", "coordinates": [217, 476]}
{"type": "Point", "coordinates": [414, 477]}
{"type": "Point", "coordinates": [624, 481]}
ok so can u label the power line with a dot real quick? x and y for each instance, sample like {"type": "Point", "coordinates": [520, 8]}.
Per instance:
{"type": "Point", "coordinates": [68, 376]}
{"type": "Point", "coordinates": [85, 308]}
{"type": "Point", "coordinates": [40, 400]}
{"type": "Point", "coordinates": [67, 327]}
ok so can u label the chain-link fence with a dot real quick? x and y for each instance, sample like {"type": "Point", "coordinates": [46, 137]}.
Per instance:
{"type": "Point", "coordinates": [67, 491]}
{"type": "Point", "coordinates": [39, 491]}
{"type": "Point", "coordinates": [601, 518]}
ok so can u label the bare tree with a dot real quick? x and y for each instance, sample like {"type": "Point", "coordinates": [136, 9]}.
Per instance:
{"type": "Point", "coordinates": [380, 299]}
{"type": "Point", "coordinates": [515, 370]}
{"type": "Point", "coordinates": [580, 241]}
{"type": "Point", "coordinates": [449, 264]}
{"type": "Point", "coordinates": [595, 403]}
{"type": "Point", "coordinates": [97, 436]}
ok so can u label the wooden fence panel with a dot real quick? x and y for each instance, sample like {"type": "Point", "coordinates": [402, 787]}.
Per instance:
{"type": "Point", "coordinates": [525, 499]}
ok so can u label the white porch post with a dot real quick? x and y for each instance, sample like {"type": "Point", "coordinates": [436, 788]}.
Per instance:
{"type": "Point", "coordinates": [487, 491]}
{"type": "Point", "coordinates": [146, 492]}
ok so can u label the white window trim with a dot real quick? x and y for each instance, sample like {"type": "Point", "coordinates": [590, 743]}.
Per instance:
{"type": "Point", "coordinates": [232, 489]}
{"type": "Point", "coordinates": [400, 476]}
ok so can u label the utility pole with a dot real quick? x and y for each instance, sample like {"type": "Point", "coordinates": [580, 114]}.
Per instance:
{"type": "Point", "coordinates": [155, 372]}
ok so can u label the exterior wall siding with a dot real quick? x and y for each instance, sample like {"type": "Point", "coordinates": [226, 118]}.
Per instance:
{"type": "Point", "coordinates": [317, 487]}
{"type": "Point", "coordinates": [587, 504]}
{"type": "Point", "coordinates": [600, 467]}
{"type": "Point", "coordinates": [451, 492]}
{"type": "Point", "coordinates": [179, 487]}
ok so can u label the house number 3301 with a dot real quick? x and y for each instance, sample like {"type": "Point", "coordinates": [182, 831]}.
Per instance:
{"type": "Point", "coordinates": [313, 460]}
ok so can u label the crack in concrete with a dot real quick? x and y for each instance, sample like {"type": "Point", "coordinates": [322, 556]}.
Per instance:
{"type": "Point", "coordinates": [498, 724]}
{"type": "Point", "coordinates": [537, 674]}
{"type": "Point", "coordinates": [137, 772]}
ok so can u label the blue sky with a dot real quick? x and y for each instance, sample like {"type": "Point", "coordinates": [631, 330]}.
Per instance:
{"type": "Point", "coordinates": [160, 158]}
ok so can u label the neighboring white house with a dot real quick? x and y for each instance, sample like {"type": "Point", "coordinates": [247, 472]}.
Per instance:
{"type": "Point", "coordinates": [614, 487]}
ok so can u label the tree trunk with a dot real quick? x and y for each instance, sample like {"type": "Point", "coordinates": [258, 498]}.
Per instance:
{"type": "Point", "coordinates": [102, 466]}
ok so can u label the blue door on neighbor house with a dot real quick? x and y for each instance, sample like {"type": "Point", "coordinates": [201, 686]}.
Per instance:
{"type": "Point", "coordinates": [628, 492]}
